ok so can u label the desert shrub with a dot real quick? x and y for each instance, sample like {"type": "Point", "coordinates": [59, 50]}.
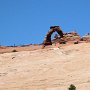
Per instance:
{"type": "Point", "coordinates": [14, 50]}
{"type": "Point", "coordinates": [64, 43]}
{"type": "Point", "coordinates": [72, 87]}
{"type": "Point", "coordinates": [59, 47]}
{"type": "Point", "coordinates": [76, 42]}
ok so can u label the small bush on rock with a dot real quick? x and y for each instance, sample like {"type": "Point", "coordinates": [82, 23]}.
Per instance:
{"type": "Point", "coordinates": [76, 42]}
{"type": "Point", "coordinates": [14, 50]}
{"type": "Point", "coordinates": [72, 87]}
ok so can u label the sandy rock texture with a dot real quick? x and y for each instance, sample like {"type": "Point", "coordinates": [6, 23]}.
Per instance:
{"type": "Point", "coordinates": [46, 69]}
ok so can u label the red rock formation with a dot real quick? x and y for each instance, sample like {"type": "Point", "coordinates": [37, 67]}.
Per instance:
{"type": "Point", "coordinates": [71, 36]}
{"type": "Point", "coordinates": [47, 39]}
{"type": "Point", "coordinates": [86, 38]}
{"type": "Point", "coordinates": [63, 38]}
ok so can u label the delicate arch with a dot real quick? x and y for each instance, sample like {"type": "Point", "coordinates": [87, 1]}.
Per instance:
{"type": "Point", "coordinates": [47, 39]}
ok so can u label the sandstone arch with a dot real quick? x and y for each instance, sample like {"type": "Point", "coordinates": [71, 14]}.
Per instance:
{"type": "Point", "coordinates": [47, 39]}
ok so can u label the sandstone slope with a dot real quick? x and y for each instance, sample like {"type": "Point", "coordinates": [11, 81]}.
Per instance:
{"type": "Point", "coordinates": [46, 69]}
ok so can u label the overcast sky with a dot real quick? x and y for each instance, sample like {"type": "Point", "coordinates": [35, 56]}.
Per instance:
{"type": "Point", "coordinates": [27, 21]}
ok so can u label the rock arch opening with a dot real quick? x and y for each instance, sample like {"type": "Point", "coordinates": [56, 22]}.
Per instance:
{"type": "Point", "coordinates": [47, 39]}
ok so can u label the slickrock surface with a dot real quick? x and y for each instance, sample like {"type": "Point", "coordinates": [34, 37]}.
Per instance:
{"type": "Point", "coordinates": [46, 69]}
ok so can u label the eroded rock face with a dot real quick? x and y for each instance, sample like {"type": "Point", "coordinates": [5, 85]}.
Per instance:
{"type": "Point", "coordinates": [63, 38]}
{"type": "Point", "coordinates": [72, 36]}
{"type": "Point", "coordinates": [86, 38]}
{"type": "Point", "coordinates": [47, 39]}
{"type": "Point", "coordinates": [67, 37]}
